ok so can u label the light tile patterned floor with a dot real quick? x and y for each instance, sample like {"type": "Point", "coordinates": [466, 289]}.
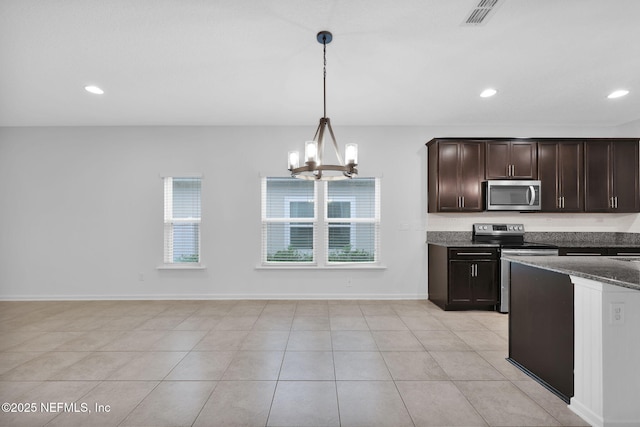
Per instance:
{"type": "Point", "coordinates": [263, 363]}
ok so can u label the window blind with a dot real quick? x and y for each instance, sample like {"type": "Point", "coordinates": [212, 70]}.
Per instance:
{"type": "Point", "coordinates": [288, 220]}
{"type": "Point", "coordinates": [182, 217]}
{"type": "Point", "coordinates": [352, 220]}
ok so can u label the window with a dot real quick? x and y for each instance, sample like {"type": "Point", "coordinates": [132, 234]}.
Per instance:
{"type": "Point", "coordinates": [346, 233]}
{"type": "Point", "coordinates": [352, 220]}
{"type": "Point", "coordinates": [182, 220]}
{"type": "Point", "coordinates": [288, 220]}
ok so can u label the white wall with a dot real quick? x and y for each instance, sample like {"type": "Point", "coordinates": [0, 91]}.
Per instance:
{"type": "Point", "coordinates": [81, 210]}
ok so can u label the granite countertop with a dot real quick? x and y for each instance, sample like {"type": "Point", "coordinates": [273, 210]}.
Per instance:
{"type": "Point", "coordinates": [562, 240]}
{"type": "Point", "coordinates": [618, 271]}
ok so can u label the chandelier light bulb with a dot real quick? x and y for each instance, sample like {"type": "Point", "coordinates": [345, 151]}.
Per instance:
{"type": "Point", "coordinates": [294, 160]}
{"type": "Point", "coordinates": [311, 152]}
{"type": "Point", "coordinates": [351, 154]}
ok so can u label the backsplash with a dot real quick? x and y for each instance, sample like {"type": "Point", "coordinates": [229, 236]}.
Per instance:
{"type": "Point", "coordinates": [538, 222]}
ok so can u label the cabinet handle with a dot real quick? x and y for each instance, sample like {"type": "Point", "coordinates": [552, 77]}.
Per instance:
{"type": "Point", "coordinates": [562, 202]}
{"type": "Point", "coordinates": [559, 202]}
{"type": "Point", "coordinates": [616, 200]}
{"type": "Point", "coordinates": [462, 201]}
{"type": "Point", "coordinates": [628, 253]}
{"type": "Point", "coordinates": [475, 253]}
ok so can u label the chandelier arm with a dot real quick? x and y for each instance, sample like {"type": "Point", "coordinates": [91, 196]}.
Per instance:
{"type": "Point", "coordinates": [335, 144]}
{"type": "Point", "coordinates": [321, 145]}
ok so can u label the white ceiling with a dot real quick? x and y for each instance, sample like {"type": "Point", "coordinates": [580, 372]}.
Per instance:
{"type": "Point", "coordinates": [257, 62]}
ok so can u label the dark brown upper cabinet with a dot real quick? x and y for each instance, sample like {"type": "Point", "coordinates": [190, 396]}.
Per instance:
{"type": "Point", "coordinates": [511, 160]}
{"type": "Point", "coordinates": [560, 169]}
{"type": "Point", "coordinates": [456, 172]}
{"type": "Point", "coordinates": [611, 176]}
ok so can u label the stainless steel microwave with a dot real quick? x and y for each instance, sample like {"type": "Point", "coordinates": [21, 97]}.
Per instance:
{"type": "Point", "coordinates": [513, 195]}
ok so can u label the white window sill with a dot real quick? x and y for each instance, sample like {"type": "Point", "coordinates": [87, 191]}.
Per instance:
{"type": "Point", "coordinates": [182, 266]}
{"type": "Point", "coordinates": [324, 267]}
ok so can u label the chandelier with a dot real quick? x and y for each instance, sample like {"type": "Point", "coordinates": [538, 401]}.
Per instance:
{"type": "Point", "coordinates": [314, 168]}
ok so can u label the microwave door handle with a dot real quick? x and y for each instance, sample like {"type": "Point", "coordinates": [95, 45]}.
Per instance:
{"type": "Point", "coordinates": [533, 195]}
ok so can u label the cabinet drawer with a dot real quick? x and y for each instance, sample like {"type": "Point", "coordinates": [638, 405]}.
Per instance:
{"type": "Point", "coordinates": [583, 251]}
{"type": "Point", "coordinates": [626, 251]}
{"type": "Point", "coordinates": [473, 253]}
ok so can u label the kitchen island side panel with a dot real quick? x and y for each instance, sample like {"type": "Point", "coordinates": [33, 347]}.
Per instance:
{"type": "Point", "coordinates": [541, 326]}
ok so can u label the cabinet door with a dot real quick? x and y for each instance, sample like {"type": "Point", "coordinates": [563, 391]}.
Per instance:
{"type": "Point", "coordinates": [448, 165]}
{"type": "Point", "coordinates": [471, 175]}
{"type": "Point", "coordinates": [511, 160]}
{"type": "Point", "coordinates": [597, 176]}
{"type": "Point", "coordinates": [571, 176]}
{"type": "Point", "coordinates": [498, 160]}
{"type": "Point", "coordinates": [485, 283]}
{"type": "Point", "coordinates": [624, 170]}
{"type": "Point", "coordinates": [460, 282]}
{"type": "Point", "coordinates": [523, 160]}
{"type": "Point", "coordinates": [548, 165]}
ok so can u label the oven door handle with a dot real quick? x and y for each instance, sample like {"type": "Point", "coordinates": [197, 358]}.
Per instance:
{"type": "Point", "coordinates": [530, 252]}
{"type": "Point", "coordinates": [533, 195]}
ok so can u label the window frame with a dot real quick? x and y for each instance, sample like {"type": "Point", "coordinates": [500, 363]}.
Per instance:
{"type": "Point", "coordinates": [321, 227]}
{"type": "Point", "coordinates": [169, 222]}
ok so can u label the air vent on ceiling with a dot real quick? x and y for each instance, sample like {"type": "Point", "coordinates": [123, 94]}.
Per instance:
{"type": "Point", "coordinates": [482, 12]}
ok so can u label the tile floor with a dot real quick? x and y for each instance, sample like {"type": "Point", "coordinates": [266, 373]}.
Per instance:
{"type": "Point", "coordinates": [263, 363]}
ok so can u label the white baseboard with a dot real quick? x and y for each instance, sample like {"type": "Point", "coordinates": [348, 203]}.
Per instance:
{"type": "Point", "coordinates": [214, 297]}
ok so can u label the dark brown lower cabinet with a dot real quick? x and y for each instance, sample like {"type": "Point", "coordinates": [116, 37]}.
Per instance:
{"type": "Point", "coordinates": [541, 327]}
{"type": "Point", "coordinates": [463, 278]}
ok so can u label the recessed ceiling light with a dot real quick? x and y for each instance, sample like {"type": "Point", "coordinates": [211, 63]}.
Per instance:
{"type": "Point", "coordinates": [94, 89]}
{"type": "Point", "coordinates": [618, 93]}
{"type": "Point", "coordinates": [487, 93]}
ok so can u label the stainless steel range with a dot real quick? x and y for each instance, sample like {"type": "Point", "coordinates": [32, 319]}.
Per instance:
{"type": "Point", "coordinates": [510, 238]}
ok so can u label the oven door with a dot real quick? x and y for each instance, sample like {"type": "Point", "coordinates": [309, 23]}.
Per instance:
{"type": "Point", "coordinates": [505, 271]}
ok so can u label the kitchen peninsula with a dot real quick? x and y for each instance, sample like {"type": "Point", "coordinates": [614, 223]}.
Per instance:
{"type": "Point", "coordinates": [606, 336]}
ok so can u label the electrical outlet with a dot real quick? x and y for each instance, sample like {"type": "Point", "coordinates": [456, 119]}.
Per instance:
{"type": "Point", "coordinates": [617, 313]}
{"type": "Point", "coordinates": [141, 277]}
